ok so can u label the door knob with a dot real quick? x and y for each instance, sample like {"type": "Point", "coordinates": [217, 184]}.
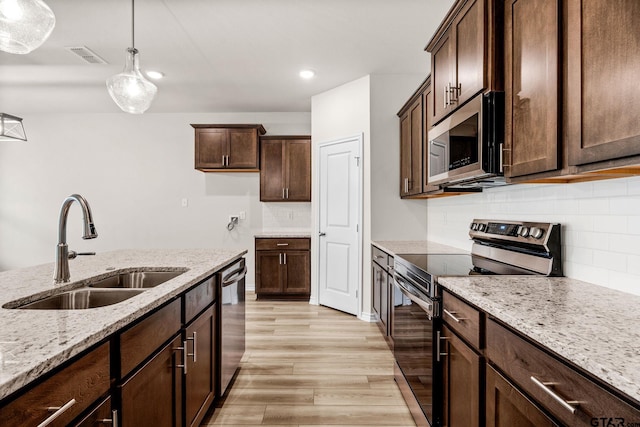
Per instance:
{"type": "Point", "coordinates": [322, 234]}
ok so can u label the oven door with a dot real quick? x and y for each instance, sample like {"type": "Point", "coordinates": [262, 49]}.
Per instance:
{"type": "Point", "coordinates": [413, 333]}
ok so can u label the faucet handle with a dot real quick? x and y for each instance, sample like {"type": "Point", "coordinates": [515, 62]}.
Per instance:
{"type": "Point", "coordinates": [73, 254]}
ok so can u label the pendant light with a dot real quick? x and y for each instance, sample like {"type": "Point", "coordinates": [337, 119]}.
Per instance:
{"type": "Point", "coordinates": [129, 89]}
{"type": "Point", "coordinates": [24, 25]}
{"type": "Point", "coordinates": [11, 128]}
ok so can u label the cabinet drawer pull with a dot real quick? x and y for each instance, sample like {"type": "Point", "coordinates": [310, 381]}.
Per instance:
{"type": "Point", "coordinates": [282, 244]}
{"type": "Point", "coordinates": [113, 421]}
{"type": "Point", "coordinates": [379, 257]}
{"type": "Point", "coordinates": [569, 405]}
{"type": "Point", "coordinates": [438, 353]}
{"type": "Point", "coordinates": [452, 315]}
{"type": "Point", "coordinates": [57, 411]}
{"type": "Point", "coordinates": [184, 357]}
{"type": "Point", "coordinates": [194, 338]}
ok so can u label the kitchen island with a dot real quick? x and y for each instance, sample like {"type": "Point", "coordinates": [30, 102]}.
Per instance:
{"type": "Point", "coordinates": [35, 342]}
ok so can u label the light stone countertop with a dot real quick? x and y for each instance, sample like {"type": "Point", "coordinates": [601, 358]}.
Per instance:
{"type": "Point", "coordinates": [394, 247]}
{"type": "Point", "coordinates": [595, 328]}
{"type": "Point", "coordinates": [32, 342]}
{"type": "Point", "coordinates": [283, 234]}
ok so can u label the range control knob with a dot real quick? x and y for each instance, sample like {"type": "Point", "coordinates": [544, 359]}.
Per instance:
{"type": "Point", "coordinates": [536, 232]}
{"type": "Point", "coordinates": [523, 231]}
{"type": "Point", "coordinates": [473, 226]}
{"type": "Point", "coordinates": [482, 227]}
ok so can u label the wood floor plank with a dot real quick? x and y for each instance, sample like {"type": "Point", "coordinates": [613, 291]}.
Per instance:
{"type": "Point", "coordinates": [328, 415]}
{"type": "Point", "coordinates": [308, 365]}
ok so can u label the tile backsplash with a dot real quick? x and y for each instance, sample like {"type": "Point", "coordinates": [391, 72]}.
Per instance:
{"type": "Point", "coordinates": [600, 224]}
{"type": "Point", "coordinates": [286, 216]}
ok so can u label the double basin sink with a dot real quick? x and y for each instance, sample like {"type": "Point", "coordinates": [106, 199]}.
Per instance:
{"type": "Point", "coordinates": [108, 290]}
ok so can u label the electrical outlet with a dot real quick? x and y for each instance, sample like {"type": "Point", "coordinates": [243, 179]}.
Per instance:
{"type": "Point", "coordinates": [243, 215]}
{"type": "Point", "coordinates": [185, 202]}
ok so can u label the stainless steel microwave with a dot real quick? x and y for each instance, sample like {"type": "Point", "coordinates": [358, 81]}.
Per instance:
{"type": "Point", "coordinates": [465, 149]}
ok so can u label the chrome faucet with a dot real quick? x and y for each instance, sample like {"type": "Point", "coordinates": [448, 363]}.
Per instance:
{"type": "Point", "coordinates": [61, 274]}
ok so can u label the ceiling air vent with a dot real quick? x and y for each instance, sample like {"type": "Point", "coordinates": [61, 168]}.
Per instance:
{"type": "Point", "coordinates": [86, 54]}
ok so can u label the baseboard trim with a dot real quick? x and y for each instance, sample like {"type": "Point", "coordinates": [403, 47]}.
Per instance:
{"type": "Point", "coordinates": [368, 317]}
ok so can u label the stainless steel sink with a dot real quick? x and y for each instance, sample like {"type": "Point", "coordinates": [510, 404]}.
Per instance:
{"type": "Point", "coordinates": [135, 279]}
{"type": "Point", "coordinates": [82, 299]}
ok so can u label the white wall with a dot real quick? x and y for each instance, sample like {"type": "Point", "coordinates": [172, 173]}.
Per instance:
{"type": "Point", "coordinates": [600, 222]}
{"type": "Point", "coordinates": [368, 106]}
{"type": "Point", "coordinates": [392, 218]}
{"type": "Point", "coordinates": [339, 113]}
{"type": "Point", "coordinates": [134, 171]}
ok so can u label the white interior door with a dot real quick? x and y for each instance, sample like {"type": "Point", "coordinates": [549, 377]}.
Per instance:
{"type": "Point", "coordinates": [339, 216]}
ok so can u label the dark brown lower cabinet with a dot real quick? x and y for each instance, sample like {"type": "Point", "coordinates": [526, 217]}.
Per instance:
{"type": "Point", "coordinates": [153, 395]}
{"type": "Point", "coordinates": [103, 414]}
{"type": "Point", "coordinates": [283, 268]}
{"type": "Point", "coordinates": [200, 373]}
{"type": "Point", "coordinates": [507, 407]}
{"type": "Point", "coordinates": [461, 382]}
{"type": "Point", "coordinates": [70, 391]}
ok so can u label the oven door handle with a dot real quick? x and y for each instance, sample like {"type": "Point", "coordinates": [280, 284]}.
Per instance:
{"type": "Point", "coordinates": [406, 290]}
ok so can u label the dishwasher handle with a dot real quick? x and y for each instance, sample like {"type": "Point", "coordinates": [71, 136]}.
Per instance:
{"type": "Point", "coordinates": [234, 277]}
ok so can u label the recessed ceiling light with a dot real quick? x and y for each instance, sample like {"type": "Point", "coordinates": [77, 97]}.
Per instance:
{"type": "Point", "coordinates": [307, 74]}
{"type": "Point", "coordinates": [156, 75]}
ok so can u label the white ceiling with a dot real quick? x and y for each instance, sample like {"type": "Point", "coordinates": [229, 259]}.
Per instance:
{"type": "Point", "coordinates": [219, 55]}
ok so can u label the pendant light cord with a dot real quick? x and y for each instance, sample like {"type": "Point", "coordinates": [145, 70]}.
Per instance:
{"type": "Point", "coordinates": [133, 18]}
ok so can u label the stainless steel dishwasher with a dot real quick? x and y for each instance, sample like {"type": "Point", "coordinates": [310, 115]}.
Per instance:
{"type": "Point", "coordinates": [232, 322]}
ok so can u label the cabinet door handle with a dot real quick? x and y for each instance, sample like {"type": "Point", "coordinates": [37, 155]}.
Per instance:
{"type": "Point", "coordinates": [285, 258]}
{"type": "Point", "coordinates": [280, 258]}
{"type": "Point", "coordinates": [287, 192]}
{"type": "Point", "coordinates": [438, 353]}
{"type": "Point", "coordinates": [569, 405]}
{"type": "Point", "coordinates": [184, 357]}
{"type": "Point", "coordinates": [113, 421]}
{"type": "Point", "coordinates": [194, 338]}
{"type": "Point", "coordinates": [406, 185]}
{"type": "Point", "coordinates": [445, 96]}
{"type": "Point", "coordinates": [57, 411]}
{"type": "Point", "coordinates": [452, 314]}
{"type": "Point", "coordinates": [283, 193]}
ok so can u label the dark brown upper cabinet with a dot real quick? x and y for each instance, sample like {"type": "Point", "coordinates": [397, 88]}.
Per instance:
{"type": "Point", "coordinates": [602, 93]}
{"type": "Point", "coordinates": [532, 37]}
{"type": "Point", "coordinates": [227, 148]}
{"type": "Point", "coordinates": [570, 114]}
{"type": "Point", "coordinates": [285, 172]}
{"type": "Point", "coordinates": [466, 57]}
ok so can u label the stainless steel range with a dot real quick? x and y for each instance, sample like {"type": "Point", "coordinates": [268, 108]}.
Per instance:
{"type": "Point", "coordinates": [499, 248]}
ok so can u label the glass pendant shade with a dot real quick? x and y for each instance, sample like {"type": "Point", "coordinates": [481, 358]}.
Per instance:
{"type": "Point", "coordinates": [11, 128]}
{"type": "Point", "coordinates": [24, 25]}
{"type": "Point", "coordinates": [129, 89]}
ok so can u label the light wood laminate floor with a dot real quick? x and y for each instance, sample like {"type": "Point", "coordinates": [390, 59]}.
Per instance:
{"type": "Point", "coordinates": [308, 365]}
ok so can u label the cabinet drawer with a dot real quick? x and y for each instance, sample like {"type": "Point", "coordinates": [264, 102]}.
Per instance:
{"type": "Point", "coordinates": [282, 244]}
{"type": "Point", "coordinates": [84, 381]}
{"type": "Point", "coordinates": [529, 367]}
{"type": "Point", "coordinates": [381, 257]}
{"type": "Point", "coordinates": [102, 415]}
{"type": "Point", "coordinates": [462, 318]}
{"type": "Point", "coordinates": [140, 341]}
{"type": "Point", "coordinates": [198, 298]}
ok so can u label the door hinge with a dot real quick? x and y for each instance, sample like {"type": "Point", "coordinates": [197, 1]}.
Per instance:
{"type": "Point", "coordinates": [357, 160]}
{"type": "Point", "coordinates": [356, 293]}
{"type": "Point", "coordinates": [357, 228]}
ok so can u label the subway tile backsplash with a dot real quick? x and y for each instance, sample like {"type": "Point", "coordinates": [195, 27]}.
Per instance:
{"type": "Point", "coordinates": [600, 222]}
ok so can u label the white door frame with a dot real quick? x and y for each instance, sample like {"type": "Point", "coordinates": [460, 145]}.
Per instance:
{"type": "Point", "coordinates": [315, 289]}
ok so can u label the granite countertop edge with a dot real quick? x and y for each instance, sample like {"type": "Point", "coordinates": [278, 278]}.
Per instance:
{"type": "Point", "coordinates": [34, 342]}
{"type": "Point", "coordinates": [552, 312]}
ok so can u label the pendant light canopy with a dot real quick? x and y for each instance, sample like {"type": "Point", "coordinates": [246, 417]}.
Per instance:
{"type": "Point", "coordinates": [24, 25]}
{"type": "Point", "coordinates": [11, 128]}
{"type": "Point", "coordinates": [129, 89]}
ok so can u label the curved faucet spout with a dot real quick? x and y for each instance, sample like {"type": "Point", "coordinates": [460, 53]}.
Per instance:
{"type": "Point", "coordinates": [61, 274]}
